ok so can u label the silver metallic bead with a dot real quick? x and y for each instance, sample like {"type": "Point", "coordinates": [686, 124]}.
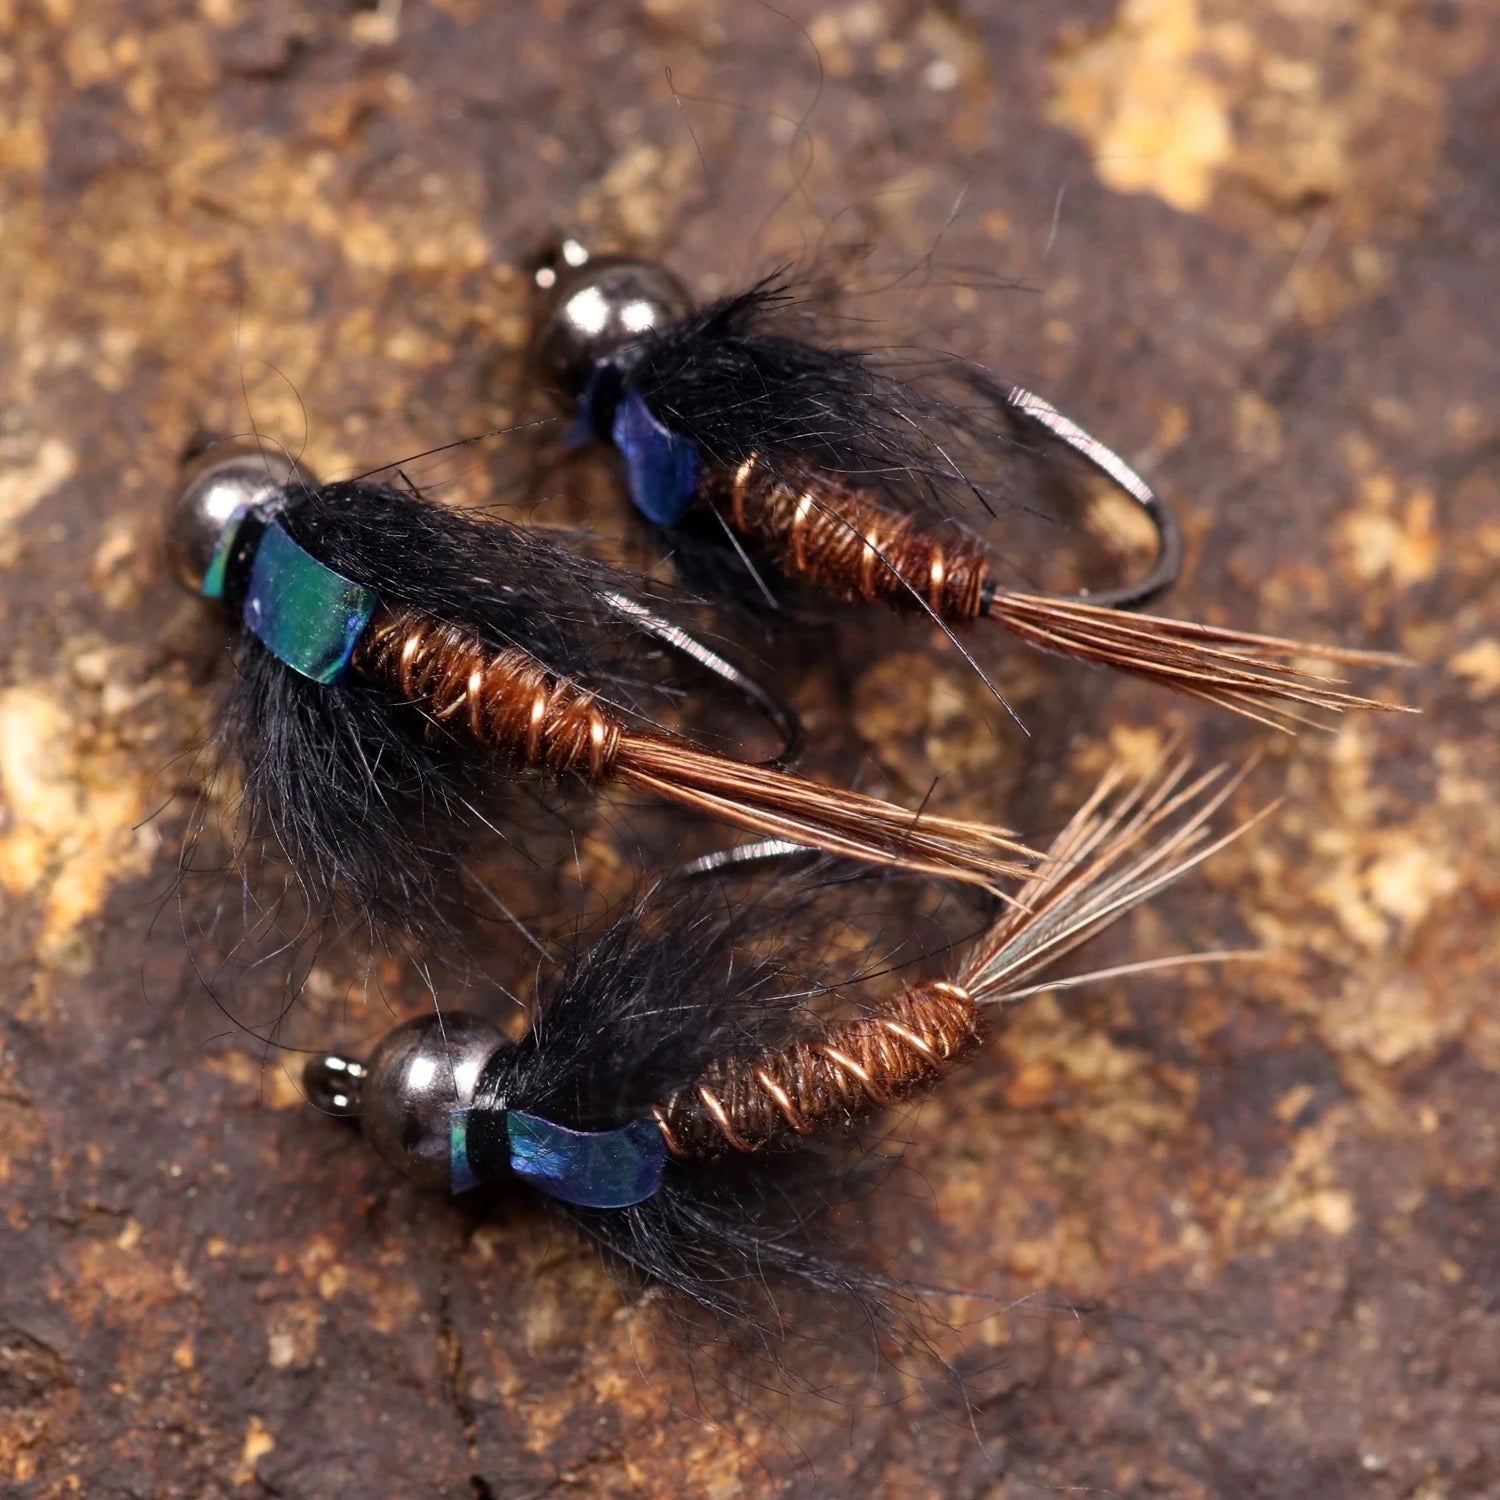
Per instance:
{"type": "Point", "coordinates": [595, 306]}
{"type": "Point", "coordinates": [220, 481]}
{"type": "Point", "coordinates": [416, 1078]}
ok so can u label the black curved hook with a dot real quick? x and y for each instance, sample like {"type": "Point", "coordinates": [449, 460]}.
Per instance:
{"type": "Point", "coordinates": [1164, 571]}
{"type": "Point", "coordinates": [782, 717]}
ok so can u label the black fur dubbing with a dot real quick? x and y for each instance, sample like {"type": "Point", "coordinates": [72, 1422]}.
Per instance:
{"type": "Point", "coordinates": [751, 374]}
{"type": "Point", "coordinates": [370, 803]}
{"type": "Point", "coordinates": [510, 586]}
{"type": "Point", "coordinates": [756, 372]}
{"type": "Point", "coordinates": [363, 803]}
{"type": "Point", "coordinates": [643, 1011]}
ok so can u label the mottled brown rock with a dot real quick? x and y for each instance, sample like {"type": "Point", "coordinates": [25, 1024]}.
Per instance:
{"type": "Point", "coordinates": [1257, 248]}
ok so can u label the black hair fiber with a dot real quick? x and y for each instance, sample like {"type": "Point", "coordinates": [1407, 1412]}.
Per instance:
{"type": "Point", "coordinates": [642, 1011]}
{"type": "Point", "coordinates": [510, 586]}
{"type": "Point", "coordinates": [729, 378]}
{"type": "Point", "coordinates": [750, 374]}
{"type": "Point", "coordinates": [370, 801]}
{"type": "Point", "coordinates": [363, 804]}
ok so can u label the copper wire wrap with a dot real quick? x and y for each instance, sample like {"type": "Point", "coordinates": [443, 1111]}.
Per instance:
{"type": "Point", "coordinates": [854, 1068]}
{"type": "Point", "coordinates": [503, 700]}
{"type": "Point", "coordinates": [845, 542]}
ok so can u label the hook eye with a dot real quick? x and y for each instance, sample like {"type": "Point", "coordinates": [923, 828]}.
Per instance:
{"type": "Point", "coordinates": [333, 1083]}
{"type": "Point", "coordinates": [782, 717]}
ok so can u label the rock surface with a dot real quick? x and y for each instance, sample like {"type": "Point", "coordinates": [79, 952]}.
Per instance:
{"type": "Point", "coordinates": [1257, 248]}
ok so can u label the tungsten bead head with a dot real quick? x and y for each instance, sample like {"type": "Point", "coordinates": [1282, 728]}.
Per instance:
{"type": "Point", "coordinates": [220, 484]}
{"type": "Point", "coordinates": [418, 1075]}
{"type": "Point", "coordinates": [598, 306]}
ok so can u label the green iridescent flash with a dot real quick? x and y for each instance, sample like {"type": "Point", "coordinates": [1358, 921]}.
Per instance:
{"type": "Point", "coordinates": [303, 612]}
{"type": "Point", "coordinates": [218, 564]}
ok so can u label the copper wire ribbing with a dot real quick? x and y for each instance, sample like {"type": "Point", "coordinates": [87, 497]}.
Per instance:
{"type": "Point", "coordinates": [846, 543]}
{"type": "Point", "coordinates": [504, 701]}
{"type": "Point", "coordinates": [853, 1068]}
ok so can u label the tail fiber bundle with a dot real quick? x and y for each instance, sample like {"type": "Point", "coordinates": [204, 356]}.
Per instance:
{"type": "Point", "coordinates": [1133, 837]}
{"type": "Point", "coordinates": [511, 706]}
{"type": "Point", "coordinates": [839, 822]}
{"type": "Point", "coordinates": [1255, 676]}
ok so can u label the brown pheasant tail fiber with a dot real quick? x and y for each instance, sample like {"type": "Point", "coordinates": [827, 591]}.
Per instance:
{"type": "Point", "coordinates": [1255, 676]}
{"type": "Point", "coordinates": [850, 824]}
{"type": "Point", "coordinates": [1139, 832]}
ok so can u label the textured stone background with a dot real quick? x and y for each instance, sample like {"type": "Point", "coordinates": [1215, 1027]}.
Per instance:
{"type": "Point", "coordinates": [1257, 246]}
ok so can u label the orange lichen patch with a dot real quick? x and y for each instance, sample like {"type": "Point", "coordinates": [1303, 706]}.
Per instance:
{"type": "Point", "coordinates": [1385, 868]}
{"type": "Point", "coordinates": [1306, 1194]}
{"type": "Point", "coordinates": [72, 806]}
{"type": "Point", "coordinates": [258, 1443]}
{"type": "Point", "coordinates": [841, 32]}
{"type": "Point", "coordinates": [28, 474]}
{"type": "Point", "coordinates": [1383, 886]}
{"type": "Point", "coordinates": [273, 1080]}
{"type": "Point", "coordinates": [118, 1281]}
{"type": "Point", "coordinates": [115, 566]}
{"type": "Point", "coordinates": [1117, 1092]}
{"type": "Point", "coordinates": [292, 1335]}
{"type": "Point", "coordinates": [1408, 882]}
{"type": "Point", "coordinates": [893, 692]}
{"type": "Point", "coordinates": [1257, 427]}
{"type": "Point", "coordinates": [1385, 540]}
{"type": "Point", "coordinates": [32, 1430]}
{"type": "Point", "coordinates": [1132, 745]}
{"type": "Point", "coordinates": [1266, 117]}
{"type": "Point", "coordinates": [1394, 1021]}
{"type": "Point", "coordinates": [1479, 665]}
{"type": "Point", "coordinates": [640, 186]}
{"type": "Point", "coordinates": [320, 1263]}
{"type": "Point", "coordinates": [388, 1301]}
{"type": "Point", "coordinates": [1157, 120]}
{"type": "Point", "coordinates": [919, 719]}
